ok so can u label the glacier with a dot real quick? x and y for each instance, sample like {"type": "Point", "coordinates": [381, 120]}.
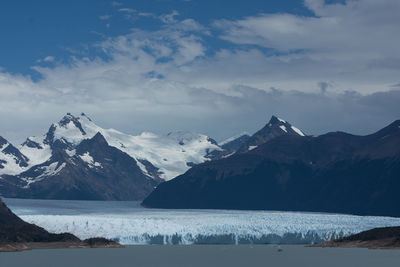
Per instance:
{"type": "Point", "coordinates": [130, 224]}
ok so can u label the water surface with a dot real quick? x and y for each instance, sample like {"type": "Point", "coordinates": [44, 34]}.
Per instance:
{"type": "Point", "coordinates": [204, 256]}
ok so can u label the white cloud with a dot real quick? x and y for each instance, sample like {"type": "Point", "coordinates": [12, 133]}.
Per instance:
{"type": "Point", "coordinates": [46, 59]}
{"type": "Point", "coordinates": [169, 18]}
{"type": "Point", "coordinates": [321, 73]}
{"type": "Point", "coordinates": [146, 14]}
{"type": "Point", "coordinates": [105, 17]}
{"type": "Point", "coordinates": [127, 10]}
{"type": "Point", "coordinates": [349, 42]}
{"type": "Point", "coordinates": [49, 59]}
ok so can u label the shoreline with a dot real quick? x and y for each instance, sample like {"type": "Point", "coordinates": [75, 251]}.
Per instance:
{"type": "Point", "coordinates": [22, 246]}
{"type": "Point", "coordinates": [376, 238]}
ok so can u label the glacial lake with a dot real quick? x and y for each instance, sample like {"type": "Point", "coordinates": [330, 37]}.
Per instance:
{"type": "Point", "coordinates": [130, 224]}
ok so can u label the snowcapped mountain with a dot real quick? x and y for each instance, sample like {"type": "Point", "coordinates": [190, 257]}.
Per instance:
{"type": "Point", "coordinates": [274, 128]}
{"type": "Point", "coordinates": [117, 166]}
{"type": "Point", "coordinates": [77, 159]}
{"type": "Point", "coordinates": [170, 154]}
{"type": "Point", "coordinates": [243, 142]}
{"type": "Point", "coordinates": [92, 170]}
{"type": "Point", "coordinates": [12, 161]}
{"type": "Point", "coordinates": [335, 172]}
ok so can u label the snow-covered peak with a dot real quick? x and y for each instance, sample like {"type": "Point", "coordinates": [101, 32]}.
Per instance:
{"type": "Point", "coordinates": [276, 127]}
{"type": "Point", "coordinates": [172, 154]}
{"type": "Point", "coordinates": [284, 126]}
{"type": "Point", "coordinates": [276, 121]}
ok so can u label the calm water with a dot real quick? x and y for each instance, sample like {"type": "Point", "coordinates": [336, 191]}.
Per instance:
{"type": "Point", "coordinates": [204, 256]}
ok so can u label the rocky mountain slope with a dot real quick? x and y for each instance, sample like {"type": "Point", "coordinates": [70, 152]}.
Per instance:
{"type": "Point", "coordinates": [335, 172]}
{"type": "Point", "coordinates": [76, 159]}
{"type": "Point", "coordinates": [274, 128]}
{"type": "Point", "coordinates": [94, 171]}
{"type": "Point", "coordinates": [231, 145]}
{"type": "Point", "coordinates": [16, 234]}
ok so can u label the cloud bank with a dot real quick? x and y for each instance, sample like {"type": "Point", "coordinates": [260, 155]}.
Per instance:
{"type": "Point", "coordinates": [336, 70]}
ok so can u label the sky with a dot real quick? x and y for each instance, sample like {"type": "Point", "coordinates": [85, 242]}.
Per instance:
{"type": "Point", "coordinates": [214, 67]}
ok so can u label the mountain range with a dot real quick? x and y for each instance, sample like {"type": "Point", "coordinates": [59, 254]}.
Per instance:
{"type": "Point", "coordinates": [77, 159]}
{"type": "Point", "coordinates": [335, 172]}
{"type": "Point", "coordinates": [277, 168]}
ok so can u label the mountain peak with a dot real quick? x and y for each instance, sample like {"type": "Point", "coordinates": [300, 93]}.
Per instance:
{"type": "Point", "coordinates": [85, 116]}
{"type": "Point", "coordinates": [68, 119]}
{"type": "Point", "coordinates": [275, 127]}
{"type": "Point", "coordinates": [276, 120]}
{"type": "Point", "coordinates": [99, 138]}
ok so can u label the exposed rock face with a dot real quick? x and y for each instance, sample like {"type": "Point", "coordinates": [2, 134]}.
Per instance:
{"type": "Point", "coordinates": [335, 172]}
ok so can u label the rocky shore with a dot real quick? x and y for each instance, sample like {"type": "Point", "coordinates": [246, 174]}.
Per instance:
{"type": "Point", "coordinates": [377, 238]}
{"type": "Point", "coordinates": [18, 235]}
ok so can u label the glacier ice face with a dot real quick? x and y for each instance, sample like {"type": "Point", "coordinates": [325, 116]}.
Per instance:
{"type": "Point", "coordinates": [129, 224]}
{"type": "Point", "coordinates": [191, 227]}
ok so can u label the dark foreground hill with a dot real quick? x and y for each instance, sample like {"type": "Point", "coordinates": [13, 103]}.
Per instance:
{"type": "Point", "coordinates": [336, 172]}
{"type": "Point", "coordinates": [16, 234]}
{"type": "Point", "coordinates": [377, 238]}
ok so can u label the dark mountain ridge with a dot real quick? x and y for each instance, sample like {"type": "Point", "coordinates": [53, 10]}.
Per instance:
{"type": "Point", "coordinates": [334, 172]}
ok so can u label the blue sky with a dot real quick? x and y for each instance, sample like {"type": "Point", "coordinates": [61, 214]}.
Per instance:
{"type": "Point", "coordinates": [216, 67]}
{"type": "Point", "coordinates": [37, 29]}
